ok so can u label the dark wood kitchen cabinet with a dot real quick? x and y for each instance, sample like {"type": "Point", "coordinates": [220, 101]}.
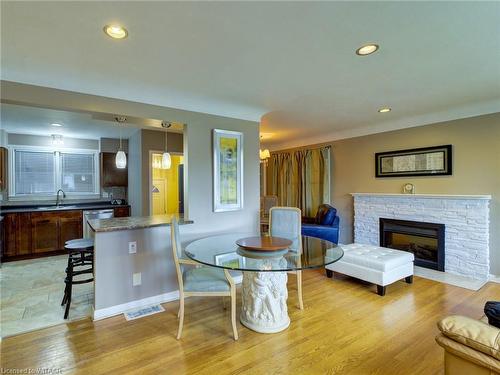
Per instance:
{"type": "Point", "coordinates": [9, 240]}
{"type": "Point", "coordinates": [3, 168]}
{"type": "Point", "coordinates": [122, 211]}
{"type": "Point", "coordinates": [17, 234]}
{"type": "Point", "coordinates": [44, 232]}
{"type": "Point", "coordinates": [30, 234]}
{"type": "Point", "coordinates": [70, 226]}
{"type": "Point", "coordinates": [10, 235]}
{"type": "Point", "coordinates": [110, 175]}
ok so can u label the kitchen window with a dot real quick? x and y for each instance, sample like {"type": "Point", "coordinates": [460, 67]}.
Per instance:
{"type": "Point", "coordinates": [77, 173]}
{"type": "Point", "coordinates": [34, 172]}
{"type": "Point", "coordinates": [39, 173]}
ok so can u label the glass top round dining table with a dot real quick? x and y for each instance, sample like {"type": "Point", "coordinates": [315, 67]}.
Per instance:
{"type": "Point", "coordinates": [221, 251]}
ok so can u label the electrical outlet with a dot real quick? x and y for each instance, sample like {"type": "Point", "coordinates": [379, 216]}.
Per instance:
{"type": "Point", "coordinates": [136, 279]}
{"type": "Point", "coordinates": [132, 247]}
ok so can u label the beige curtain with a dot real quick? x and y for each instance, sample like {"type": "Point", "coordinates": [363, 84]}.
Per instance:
{"type": "Point", "coordinates": [302, 178]}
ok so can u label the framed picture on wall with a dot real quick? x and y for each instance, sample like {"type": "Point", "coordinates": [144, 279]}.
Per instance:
{"type": "Point", "coordinates": [427, 161]}
{"type": "Point", "coordinates": [228, 170]}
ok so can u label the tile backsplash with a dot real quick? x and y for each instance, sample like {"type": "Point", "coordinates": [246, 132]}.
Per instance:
{"type": "Point", "coordinates": [114, 192]}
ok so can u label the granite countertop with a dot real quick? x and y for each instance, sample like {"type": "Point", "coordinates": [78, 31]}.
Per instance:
{"type": "Point", "coordinates": [63, 207]}
{"type": "Point", "coordinates": [134, 222]}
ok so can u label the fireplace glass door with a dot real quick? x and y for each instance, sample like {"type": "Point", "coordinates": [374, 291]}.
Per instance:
{"type": "Point", "coordinates": [424, 240]}
{"type": "Point", "coordinates": [422, 247]}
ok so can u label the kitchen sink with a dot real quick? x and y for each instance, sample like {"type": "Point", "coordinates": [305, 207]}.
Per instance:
{"type": "Point", "coordinates": [52, 208]}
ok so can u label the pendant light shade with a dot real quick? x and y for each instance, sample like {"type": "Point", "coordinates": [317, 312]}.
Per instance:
{"type": "Point", "coordinates": [166, 161]}
{"type": "Point", "coordinates": [121, 160]}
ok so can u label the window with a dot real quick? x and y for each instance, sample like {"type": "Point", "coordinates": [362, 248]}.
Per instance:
{"type": "Point", "coordinates": [38, 172]}
{"type": "Point", "coordinates": [34, 172]}
{"type": "Point", "coordinates": [77, 173]}
{"type": "Point", "coordinates": [301, 178]}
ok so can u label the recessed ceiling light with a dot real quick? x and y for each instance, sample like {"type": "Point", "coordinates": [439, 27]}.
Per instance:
{"type": "Point", "coordinates": [116, 31]}
{"type": "Point", "coordinates": [56, 124]}
{"type": "Point", "coordinates": [367, 49]}
{"type": "Point", "coordinates": [384, 110]}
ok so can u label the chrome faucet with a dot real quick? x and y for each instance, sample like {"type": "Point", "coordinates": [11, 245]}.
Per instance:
{"type": "Point", "coordinates": [57, 196]}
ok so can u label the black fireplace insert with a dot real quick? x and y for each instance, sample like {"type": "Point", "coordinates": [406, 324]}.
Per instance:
{"type": "Point", "coordinates": [424, 240]}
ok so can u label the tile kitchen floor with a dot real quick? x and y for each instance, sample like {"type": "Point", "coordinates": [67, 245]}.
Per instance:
{"type": "Point", "coordinates": [31, 293]}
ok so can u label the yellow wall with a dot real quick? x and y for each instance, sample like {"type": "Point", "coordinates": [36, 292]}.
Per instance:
{"type": "Point", "coordinates": [152, 140]}
{"type": "Point", "coordinates": [476, 168]}
{"type": "Point", "coordinates": [171, 178]}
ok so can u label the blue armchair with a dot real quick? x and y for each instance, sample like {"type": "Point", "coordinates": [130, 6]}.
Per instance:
{"type": "Point", "coordinates": [325, 225]}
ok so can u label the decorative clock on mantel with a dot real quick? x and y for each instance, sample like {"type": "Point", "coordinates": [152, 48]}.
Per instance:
{"type": "Point", "coordinates": [408, 188]}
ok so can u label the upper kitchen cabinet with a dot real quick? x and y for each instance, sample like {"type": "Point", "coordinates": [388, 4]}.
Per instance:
{"type": "Point", "coordinates": [110, 175]}
{"type": "Point", "coordinates": [3, 168]}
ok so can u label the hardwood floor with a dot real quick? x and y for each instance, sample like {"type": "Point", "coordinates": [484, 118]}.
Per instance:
{"type": "Point", "coordinates": [345, 328]}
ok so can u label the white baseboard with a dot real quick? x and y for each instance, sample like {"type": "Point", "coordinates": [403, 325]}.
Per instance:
{"type": "Point", "coordinates": [162, 298]}
{"type": "Point", "coordinates": [494, 278]}
{"type": "Point", "coordinates": [120, 309]}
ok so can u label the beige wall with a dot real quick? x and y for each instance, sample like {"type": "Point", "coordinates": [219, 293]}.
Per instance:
{"type": "Point", "coordinates": [197, 153]}
{"type": "Point", "coordinates": [46, 141]}
{"type": "Point", "coordinates": [113, 145]}
{"type": "Point", "coordinates": [476, 168]}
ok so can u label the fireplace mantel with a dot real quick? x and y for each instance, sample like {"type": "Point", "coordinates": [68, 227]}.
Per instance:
{"type": "Point", "coordinates": [428, 196]}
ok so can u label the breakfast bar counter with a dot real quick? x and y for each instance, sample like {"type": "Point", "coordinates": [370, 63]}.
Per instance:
{"type": "Point", "coordinates": [134, 222]}
{"type": "Point", "coordinates": [133, 264]}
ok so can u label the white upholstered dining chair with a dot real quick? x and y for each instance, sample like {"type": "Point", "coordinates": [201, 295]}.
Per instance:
{"type": "Point", "coordinates": [200, 281]}
{"type": "Point", "coordinates": [286, 222]}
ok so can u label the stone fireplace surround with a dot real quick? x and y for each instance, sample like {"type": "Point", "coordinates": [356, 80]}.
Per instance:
{"type": "Point", "coordinates": [466, 220]}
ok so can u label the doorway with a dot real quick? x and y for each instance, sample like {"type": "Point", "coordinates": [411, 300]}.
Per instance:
{"type": "Point", "coordinates": [167, 191]}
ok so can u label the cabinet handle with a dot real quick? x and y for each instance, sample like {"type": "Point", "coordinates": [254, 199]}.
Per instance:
{"type": "Point", "coordinates": [43, 221]}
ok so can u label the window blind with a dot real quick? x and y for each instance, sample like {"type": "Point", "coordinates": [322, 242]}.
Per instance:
{"type": "Point", "coordinates": [34, 172]}
{"type": "Point", "coordinates": [77, 173]}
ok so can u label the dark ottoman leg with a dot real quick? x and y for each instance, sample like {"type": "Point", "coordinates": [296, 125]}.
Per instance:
{"type": "Point", "coordinates": [329, 273]}
{"type": "Point", "coordinates": [409, 279]}
{"type": "Point", "coordinates": [381, 290]}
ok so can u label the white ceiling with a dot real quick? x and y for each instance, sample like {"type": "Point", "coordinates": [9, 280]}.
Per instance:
{"type": "Point", "coordinates": [291, 62]}
{"type": "Point", "coordinates": [37, 121]}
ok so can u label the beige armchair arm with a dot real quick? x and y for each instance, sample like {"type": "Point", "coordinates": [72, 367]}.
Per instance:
{"type": "Point", "coordinates": [472, 333]}
{"type": "Point", "coordinates": [461, 359]}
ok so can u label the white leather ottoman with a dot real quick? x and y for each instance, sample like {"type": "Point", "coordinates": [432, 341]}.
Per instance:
{"type": "Point", "coordinates": [377, 265]}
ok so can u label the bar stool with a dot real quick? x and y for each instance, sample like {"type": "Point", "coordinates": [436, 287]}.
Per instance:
{"type": "Point", "coordinates": [80, 262]}
{"type": "Point", "coordinates": [78, 240]}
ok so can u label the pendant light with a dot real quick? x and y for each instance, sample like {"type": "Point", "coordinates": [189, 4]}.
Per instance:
{"type": "Point", "coordinates": [166, 160]}
{"type": "Point", "coordinates": [120, 158]}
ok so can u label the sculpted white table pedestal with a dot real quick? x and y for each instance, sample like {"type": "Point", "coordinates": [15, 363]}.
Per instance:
{"type": "Point", "coordinates": [264, 296]}
{"type": "Point", "coordinates": [264, 288]}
